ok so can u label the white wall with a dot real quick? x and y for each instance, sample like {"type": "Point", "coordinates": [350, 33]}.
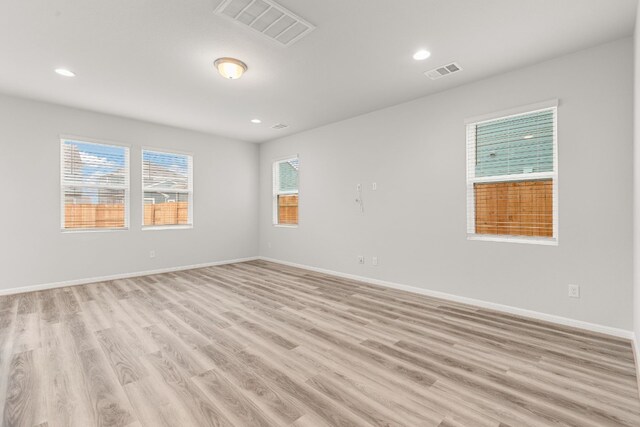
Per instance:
{"type": "Point", "coordinates": [34, 251]}
{"type": "Point", "coordinates": [416, 221]}
{"type": "Point", "coordinates": [636, 188]}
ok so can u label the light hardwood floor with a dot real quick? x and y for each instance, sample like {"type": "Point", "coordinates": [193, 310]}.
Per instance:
{"type": "Point", "coordinates": [260, 344]}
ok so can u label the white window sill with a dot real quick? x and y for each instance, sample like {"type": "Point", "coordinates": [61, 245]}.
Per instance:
{"type": "Point", "coordinates": [168, 227]}
{"type": "Point", "coordinates": [91, 230]}
{"type": "Point", "coordinates": [545, 241]}
{"type": "Point", "coordinates": [286, 225]}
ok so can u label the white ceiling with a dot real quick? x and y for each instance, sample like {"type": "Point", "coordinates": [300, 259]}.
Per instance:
{"type": "Point", "coordinates": [152, 59]}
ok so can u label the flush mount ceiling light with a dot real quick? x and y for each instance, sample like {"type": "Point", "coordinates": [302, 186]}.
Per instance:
{"type": "Point", "coordinates": [256, 121]}
{"type": "Point", "coordinates": [65, 72]}
{"type": "Point", "coordinates": [421, 55]}
{"type": "Point", "coordinates": [230, 68]}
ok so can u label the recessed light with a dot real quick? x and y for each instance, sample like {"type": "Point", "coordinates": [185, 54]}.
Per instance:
{"type": "Point", "coordinates": [230, 68]}
{"type": "Point", "coordinates": [421, 55]}
{"type": "Point", "coordinates": [65, 72]}
{"type": "Point", "coordinates": [256, 121]}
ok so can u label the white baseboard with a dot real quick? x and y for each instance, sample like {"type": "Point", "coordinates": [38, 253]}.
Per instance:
{"type": "Point", "coordinates": [76, 282]}
{"type": "Point", "coordinates": [565, 321]}
{"type": "Point", "coordinates": [636, 354]}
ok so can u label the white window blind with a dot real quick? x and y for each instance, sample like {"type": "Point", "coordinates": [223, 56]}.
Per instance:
{"type": "Point", "coordinates": [285, 191]}
{"type": "Point", "coordinates": [94, 186]}
{"type": "Point", "coordinates": [512, 177]}
{"type": "Point", "coordinates": [167, 186]}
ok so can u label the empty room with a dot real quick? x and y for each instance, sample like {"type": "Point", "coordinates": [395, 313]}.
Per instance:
{"type": "Point", "coordinates": [319, 213]}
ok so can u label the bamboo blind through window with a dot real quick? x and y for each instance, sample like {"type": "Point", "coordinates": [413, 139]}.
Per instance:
{"type": "Point", "coordinates": [512, 176]}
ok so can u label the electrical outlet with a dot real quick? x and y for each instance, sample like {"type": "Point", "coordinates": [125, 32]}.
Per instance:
{"type": "Point", "coordinates": [360, 259]}
{"type": "Point", "coordinates": [374, 260]}
{"type": "Point", "coordinates": [152, 254]}
{"type": "Point", "coordinates": [574, 291]}
{"type": "Point", "coordinates": [374, 186]}
{"type": "Point", "coordinates": [269, 245]}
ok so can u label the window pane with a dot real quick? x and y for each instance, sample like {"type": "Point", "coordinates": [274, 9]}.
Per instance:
{"type": "Point", "coordinates": [165, 170]}
{"type": "Point", "coordinates": [521, 208]}
{"type": "Point", "coordinates": [288, 209]}
{"type": "Point", "coordinates": [515, 145]}
{"type": "Point", "coordinates": [288, 175]}
{"type": "Point", "coordinates": [161, 208]}
{"type": "Point", "coordinates": [94, 164]}
{"type": "Point", "coordinates": [93, 208]}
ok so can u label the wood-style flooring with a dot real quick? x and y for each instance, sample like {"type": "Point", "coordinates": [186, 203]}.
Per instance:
{"type": "Point", "coordinates": [261, 344]}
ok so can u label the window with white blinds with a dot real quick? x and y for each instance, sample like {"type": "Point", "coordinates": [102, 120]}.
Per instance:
{"type": "Point", "coordinates": [94, 186]}
{"type": "Point", "coordinates": [512, 174]}
{"type": "Point", "coordinates": [285, 191]}
{"type": "Point", "coordinates": [167, 187]}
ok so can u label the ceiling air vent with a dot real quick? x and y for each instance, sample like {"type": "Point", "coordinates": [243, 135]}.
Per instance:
{"type": "Point", "coordinates": [279, 126]}
{"type": "Point", "coordinates": [445, 70]}
{"type": "Point", "coordinates": [267, 18]}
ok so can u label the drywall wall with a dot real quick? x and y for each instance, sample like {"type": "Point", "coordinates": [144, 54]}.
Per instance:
{"type": "Point", "coordinates": [33, 250]}
{"type": "Point", "coordinates": [636, 187]}
{"type": "Point", "coordinates": [415, 223]}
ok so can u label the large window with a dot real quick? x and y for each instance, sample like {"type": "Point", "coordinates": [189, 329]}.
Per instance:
{"type": "Point", "coordinates": [512, 177]}
{"type": "Point", "coordinates": [285, 191]}
{"type": "Point", "coordinates": [95, 186]}
{"type": "Point", "coordinates": [167, 186]}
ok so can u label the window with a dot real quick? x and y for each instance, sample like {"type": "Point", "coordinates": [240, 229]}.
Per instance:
{"type": "Point", "coordinates": [512, 178]}
{"type": "Point", "coordinates": [167, 186]}
{"type": "Point", "coordinates": [285, 192]}
{"type": "Point", "coordinates": [95, 186]}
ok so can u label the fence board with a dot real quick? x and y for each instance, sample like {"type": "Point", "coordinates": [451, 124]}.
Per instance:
{"type": "Point", "coordinates": [174, 213]}
{"type": "Point", "coordinates": [112, 216]}
{"type": "Point", "coordinates": [94, 216]}
{"type": "Point", "coordinates": [522, 208]}
{"type": "Point", "coordinates": [288, 209]}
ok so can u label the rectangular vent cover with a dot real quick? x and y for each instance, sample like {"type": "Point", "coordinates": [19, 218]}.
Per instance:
{"type": "Point", "coordinates": [445, 70]}
{"type": "Point", "coordinates": [267, 18]}
{"type": "Point", "coordinates": [279, 126]}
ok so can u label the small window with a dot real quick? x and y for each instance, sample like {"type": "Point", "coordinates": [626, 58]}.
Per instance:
{"type": "Point", "coordinates": [285, 192]}
{"type": "Point", "coordinates": [167, 187]}
{"type": "Point", "coordinates": [512, 178]}
{"type": "Point", "coordinates": [95, 186]}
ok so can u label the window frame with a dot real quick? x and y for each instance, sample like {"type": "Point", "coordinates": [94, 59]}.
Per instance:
{"type": "Point", "coordinates": [189, 191]}
{"type": "Point", "coordinates": [275, 181]}
{"type": "Point", "coordinates": [471, 179]}
{"type": "Point", "coordinates": [126, 187]}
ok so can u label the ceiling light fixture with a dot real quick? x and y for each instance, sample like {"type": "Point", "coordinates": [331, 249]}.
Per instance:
{"type": "Point", "coordinates": [421, 55]}
{"type": "Point", "coordinates": [256, 121]}
{"type": "Point", "coordinates": [230, 68]}
{"type": "Point", "coordinates": [65, 72]}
